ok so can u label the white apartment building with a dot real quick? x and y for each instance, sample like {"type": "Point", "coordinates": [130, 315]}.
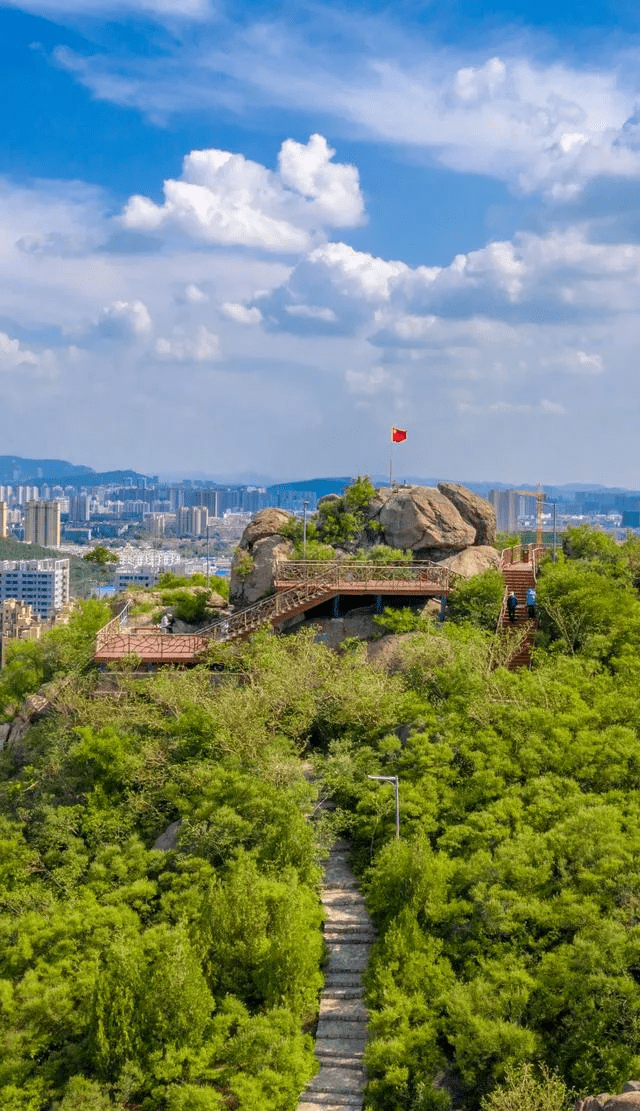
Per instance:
{"type": "Point", "coordinates": [25, 494]}
{"type": "Point", "coordinates": [131, 577]}
{"type": "Point", "coordinates": [41, 583]}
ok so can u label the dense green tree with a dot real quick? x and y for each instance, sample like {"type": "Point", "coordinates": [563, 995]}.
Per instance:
{"type": "Point", "coordinates": [101, 556]}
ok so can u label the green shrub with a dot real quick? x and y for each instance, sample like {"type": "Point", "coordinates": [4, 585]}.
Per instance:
{"type": "Point", "coordinates": [528, 1087]}
{"type": "Point", "coordinates": [478, 599]}
{"type": "Point", "coordinates": [243, 564]}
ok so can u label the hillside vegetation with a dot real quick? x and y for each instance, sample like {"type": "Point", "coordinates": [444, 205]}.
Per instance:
{"type": "Point", "coordinates": [508, 912]}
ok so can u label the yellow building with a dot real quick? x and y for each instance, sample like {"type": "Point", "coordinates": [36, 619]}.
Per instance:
{"type": "Point", "coordinates": [18, 621]}
{"type": "Point", "coordinates": [42, 524]}
{"type": "Point", "coordinates": [3, 520]}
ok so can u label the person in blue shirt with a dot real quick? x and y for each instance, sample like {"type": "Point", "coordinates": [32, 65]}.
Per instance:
{"type": "Point", "coordinates": [531, 603]}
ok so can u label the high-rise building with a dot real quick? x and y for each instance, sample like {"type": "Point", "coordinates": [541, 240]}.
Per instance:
{"type": "Point", "coordinates": [25, 494]}
{"type": "Point", "coordinates": [210, 500]}
{"type": "Point", "coordinates": [80, 508]}
{"type": "Point", "coordinates": [176, 498]}
{"type": "Point", "coordinates": [4, 511]}
{"type": "Point", "coordinates": [507, 506]}
{"type": "Point", "coordinates": [42, 524]}
{"type": "Point", "coordinates": [191, 521]}
{"type": "Point", "coordinates": [42, 583]}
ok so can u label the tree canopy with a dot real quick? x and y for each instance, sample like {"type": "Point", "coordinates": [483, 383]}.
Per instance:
{"type": "Point", "coordinates": [505, 972]}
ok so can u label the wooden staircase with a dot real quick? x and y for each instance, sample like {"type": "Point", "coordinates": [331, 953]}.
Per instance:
{"type": "Point", "coordinates": [519, 575]}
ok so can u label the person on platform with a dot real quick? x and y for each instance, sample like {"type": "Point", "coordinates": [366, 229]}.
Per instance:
{"type": "Point", "coordinates": [512, 605]}
{"type": "Point", "coordinates": [531, 603]}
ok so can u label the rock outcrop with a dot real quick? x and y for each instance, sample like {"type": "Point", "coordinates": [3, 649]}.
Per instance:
{"type": "Point", "coordinates": [267, 522]}
{"type": "Point", "coordinates": [422, 519]}
{"type": "Point", "coordinates": [261, 546]}
{"type": "Point", "coordinates": [478, 512]}
{"type": "Point", "coordinates": [35, 707]}
{"type": "Point", "coordinates": [447, 524]}
{"type": "Point", "coordinates": [249, 585]}
{"type": "Point", "coordinates": [168, 839]}
{"type": "Point", "coordinates": [629, 1100]}
{"type": "Point", "coordinates": [472, 561]}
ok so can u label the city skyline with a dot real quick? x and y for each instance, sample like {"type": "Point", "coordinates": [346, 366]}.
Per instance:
{"type": "Point", "coordinates": [248, 239]}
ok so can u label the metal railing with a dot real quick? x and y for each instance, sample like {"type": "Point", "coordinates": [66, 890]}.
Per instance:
{"type": "Point", "coordinates": [279, 605]}
{"type": "Point", "coordinates": [344, 571]}
{"type": "Point", "coordinates": [150, 646]}
{"type": "Point", "coordinates": [314, 581]}
{"type": "Point", "coordinates": [310, 582]}
{"type": "Point", "coordinates": [113, 627]}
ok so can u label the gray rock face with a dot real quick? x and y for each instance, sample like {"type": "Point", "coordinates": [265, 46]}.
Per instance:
{"type": "Point", "coordinates": [423, 519]}
{"type": "Point", "coordinates": [34, 707]}
{"type": "Point", "coordinates": [479, 513]}
{"type": "Point", "coordinates": [265, 555]}
{"type": "Point", "coordinates": [169, 839]}
{"type": "Point", "coordinates": [629, 1100]}
{"type": "Point", "coordinates": [472, 561]}
{"type": "Point", "coordinates": [265, 523]}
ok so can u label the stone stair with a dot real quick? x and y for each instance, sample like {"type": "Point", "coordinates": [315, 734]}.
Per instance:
{"type": "Point", "coordinates": [342, 1023]}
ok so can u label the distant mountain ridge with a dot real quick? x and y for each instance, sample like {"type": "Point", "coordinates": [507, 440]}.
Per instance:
{"type": "Point", "coordinates": [16, 469]}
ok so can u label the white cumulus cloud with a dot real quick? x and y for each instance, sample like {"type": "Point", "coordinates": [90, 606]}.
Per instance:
{"type": "Point", "coordinates": [241, 314]}
{"type": "Point", "coordinates": [125, 320]}
{"type": "Point", "coordinates": [13, 354]}
{"type": "Point", "coordinates": [203, 348]}
{"type": "Point", "coordinates": [225, 198]}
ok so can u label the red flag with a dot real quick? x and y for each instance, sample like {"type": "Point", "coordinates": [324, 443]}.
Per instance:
{"type": "Point", "coordinates": [398, 435]}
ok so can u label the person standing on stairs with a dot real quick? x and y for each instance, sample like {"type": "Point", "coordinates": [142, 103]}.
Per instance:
{"type": "Point", "coordinates": [512, 605]}
{"type": "Point", "coordinates": [531, 603]}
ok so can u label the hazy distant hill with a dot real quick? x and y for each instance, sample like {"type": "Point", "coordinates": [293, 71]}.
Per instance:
{"type": "Point", "coordinates": [317, 486]}
{"type": "Point", "coordinates": [14, 468]}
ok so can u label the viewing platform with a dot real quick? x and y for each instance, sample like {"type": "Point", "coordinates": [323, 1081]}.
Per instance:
{"type": "Point", "coordinates": [300, 585]}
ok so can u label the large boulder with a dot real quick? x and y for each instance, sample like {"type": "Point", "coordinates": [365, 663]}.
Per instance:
{"type": "Point", "coordinates": [478, 512]}
{"type": "Point", "coordinates": [253, 573]}
{"type": "Point", "coordinates": [267, 522]}
{"type": "Point", "coordinates": [423, 519]}
{"type": "Point", "coordinates": [628, 1101]}
{"type": "Point", "coordinates": [472, 561]}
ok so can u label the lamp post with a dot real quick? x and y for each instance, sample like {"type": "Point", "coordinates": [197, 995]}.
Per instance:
{"type": "Point", "coordinates": [392, 779]}
{"type": "Point", "coordinates": [304, 529]}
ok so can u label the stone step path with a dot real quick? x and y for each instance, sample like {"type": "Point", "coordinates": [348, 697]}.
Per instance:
{"type": "Point", "coordinates": [342, 1025]}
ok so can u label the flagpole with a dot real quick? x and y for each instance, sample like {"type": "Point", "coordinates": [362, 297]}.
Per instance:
{"type": "Point", "coordinates": [391, 463]}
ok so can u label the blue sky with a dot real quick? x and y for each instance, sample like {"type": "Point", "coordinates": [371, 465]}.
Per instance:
{"type": "Point", "coordinates": [239, 237]}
